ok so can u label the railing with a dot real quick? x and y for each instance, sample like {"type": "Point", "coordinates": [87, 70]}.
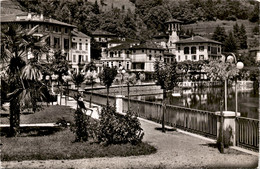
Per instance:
{"type": "Point", "coordinates": [98, 99]}
{"type": "Point", "coordinates": [195, 121]}
{"type": "Point", "coordinates": [247, 133]}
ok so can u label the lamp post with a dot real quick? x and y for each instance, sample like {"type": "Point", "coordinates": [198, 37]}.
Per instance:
{"type": "Point", "coordinates": [239, 65]}
{"type": "Point", "coordinates": [122, 71]}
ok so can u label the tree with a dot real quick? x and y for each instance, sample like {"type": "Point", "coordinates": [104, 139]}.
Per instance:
{"type": "Point", "coordinates": [23, 73]}
{"type": "Point", "coordinates": [107, 76]}
{"type": "Point", "coordinates": [230, 43]}
{"type": "Point", "coordinates": [60, 67]}
{"type": "Point", "coordinates": [130, 79]}
{"type": "Point", "coordinates": [219, 34]}
{"type": "Point", "coordinates": [219, 70]}
{"type": "Point", "coordinates": [96, 8]}
{"type": "Point", "coordinates": [91, 67]}
{"type": "Point", "coordinates": [166, 76]}
{"type": "Point", "coordinates": [243, 37]}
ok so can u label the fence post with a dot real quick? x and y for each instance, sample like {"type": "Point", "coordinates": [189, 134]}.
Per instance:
{"type": "Point", "coordinates": [229, 124]}
{"type": "Point", "coordinates": [119, 103]}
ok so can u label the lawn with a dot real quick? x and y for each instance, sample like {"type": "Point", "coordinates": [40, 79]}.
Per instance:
{"type": "Point", "coordinates": [60, 144]}
{"type": "Point", "coordinates": [49, 114]}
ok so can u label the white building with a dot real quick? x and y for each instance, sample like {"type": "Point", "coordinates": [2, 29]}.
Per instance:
{"type": "Point", "coordinates": [80, 50]}
{"type": "Point", "coordinates": [197, 48]}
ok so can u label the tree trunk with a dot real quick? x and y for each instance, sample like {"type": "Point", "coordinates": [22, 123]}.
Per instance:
{"type": "Point", "coordinates": [107, 96]}
{"type": "Point", "coordinates": [164, 109]}
{"type": "Point", "coordinates": [90, 99]}
{"type": "Point", "coordinates": [128, 95]}
{"type": "Point", "coordinates": [14, 116]}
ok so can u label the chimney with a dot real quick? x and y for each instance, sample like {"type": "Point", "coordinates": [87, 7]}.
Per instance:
{"type": "Point", "coordinates": [29, 15]}
{"type": "Point", "coordinates": [41, 16]}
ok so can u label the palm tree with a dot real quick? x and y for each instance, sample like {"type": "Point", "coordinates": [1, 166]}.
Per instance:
{"type": "Point", "coordinates": [23, 73]}
{"type": "Point", "coordinates": [130, 79]}
{"type": "Point", "coordinates": [91, 67]}
{"type": "Point", "coordinates": [107, 76]}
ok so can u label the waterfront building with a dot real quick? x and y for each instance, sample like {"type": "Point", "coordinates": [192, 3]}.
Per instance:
{"type": "Point", "coordinates": [197, 48]}
{"type": "Point", "coordinates": [80, 50]}
{"type": "Point", "coordinates": [60, 36]}
{"type": "Point", "coordinates": [102, 37]}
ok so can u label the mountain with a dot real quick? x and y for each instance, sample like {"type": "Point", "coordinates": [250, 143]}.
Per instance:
{"type": "Point", "coordinates": [10, 7]}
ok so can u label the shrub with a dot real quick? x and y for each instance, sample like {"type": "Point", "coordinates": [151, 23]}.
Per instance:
{"type": "Point", "coordinates": [80, 127]}
{"type": "Point", "coordinates": [119, 129]}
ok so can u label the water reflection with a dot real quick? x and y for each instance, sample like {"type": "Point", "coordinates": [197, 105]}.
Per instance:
{"type": "Point", "coordinates": [209, 99]}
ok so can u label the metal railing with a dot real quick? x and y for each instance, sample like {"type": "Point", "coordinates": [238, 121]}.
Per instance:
{"type": "Point", "coordinates": [247, 133]}
{"type": "Point", "coordinates": [192, 120]}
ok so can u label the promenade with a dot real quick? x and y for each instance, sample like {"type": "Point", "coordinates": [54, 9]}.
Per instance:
{"type": "Point", "coordinates": [175, 149]}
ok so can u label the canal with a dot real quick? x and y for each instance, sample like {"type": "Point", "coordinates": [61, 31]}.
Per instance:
{"type": "Point", "coordinates": [209, 99]}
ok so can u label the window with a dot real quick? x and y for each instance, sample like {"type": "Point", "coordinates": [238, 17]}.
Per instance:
{"type": "Point", "coordinates": [154, 51]}
{"type": "Point", "coordinates": [193, 50]}
{"type": "Point", "coordinates": [79, 39]}
{"type": "Point", "coordinates": [66, 30]}
{"type": "Point", "coordinates": [179, 49]}
{"type": "Point", "coordinates": [186, 57]}
{"type": "Point", "coordinates": [201, 57]}
{"type": "Point", "coordinates": [47, 28]}
{"type": "Point", "coordinates": [186, 50]}
{"type": "Point", "coordinates": [127, 65]}
{"type": "Point", "coordinates": [214, 50]}
{"type": "Point", "coordinates": [74, 45]}
{"type": "Point", "coordinates": [208, 48]}
{"type": "Point", "coordinates": [57, 42]}
{"type": "Point", "coordinates": [48, 41]}
{"type": "Point", "coordinates": [111, 54]}
{"type": "Point", "coordinates": [142, 51]}
{"type": "Point", "coordinates": [119, 64]}
{"type": "Point", "coordinates": [134, 51]}
{"type": "Point", "coordinates": [107, 64]}
{"type": "Point", "coordinates": [127, 54]}
{"type": "Point", "coordinates": [194, 57]}
{"type": "Point", "coordinates": [179, 58]}
{"type": "Point", "coordinates": [80, 59]}
{"type": "Point", "coordinates": [56, 29]}
{"type": "Point", "coordinates": [74, 58]}
{"type": "Point", "coordinates": [150, 51]}
{"type": "Point", "coordinates": [86, 46]}
{"type": "Point", "coordinates": [86, 58]}
{"type": "Point", "coordinates": [160, 51]}
{"type": "Point", "coordinates": [112, 64]}
{"type": "Point", "coordinates": [218, 49]}
{"type": "Point", "coordinates": [138, 65]}
{"type": "Point", "coordinates": [99, 39]}
{"type": "Point", "coordinates": [160, 57]}
{"type": "Point", "coordinates": [150, 57]}
{"type": "Point", "coordinates": [66, 44]}
{"type": "Point", "coordinates": [80, 46]}
{"type": "Point", "coordinates": [119, 54]}
{"type": "Point", "coordinates": [201, 48]}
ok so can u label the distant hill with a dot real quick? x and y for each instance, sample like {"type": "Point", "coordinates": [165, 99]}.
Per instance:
{"type": "Point", "coordinates": [116, 4]}
{"type": "Point", "coordinates": [10, 7]}
{"type": "Point", "coordinates": [207, 28]}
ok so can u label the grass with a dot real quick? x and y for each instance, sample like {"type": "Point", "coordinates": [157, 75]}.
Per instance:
{"type": "Point", "coordinates": [49, 114]}
{"type": "Point", "coordinates": [60, 146]}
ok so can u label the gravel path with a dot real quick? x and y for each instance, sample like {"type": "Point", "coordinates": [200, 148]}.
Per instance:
{"type": "Point", "coordinates": [175, 150]}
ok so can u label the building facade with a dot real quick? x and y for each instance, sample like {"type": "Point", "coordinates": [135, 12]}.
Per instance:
{"type": "Point", "coordinates": [197, 48]}
{"type": "Point", "coordinates": [60, 34]}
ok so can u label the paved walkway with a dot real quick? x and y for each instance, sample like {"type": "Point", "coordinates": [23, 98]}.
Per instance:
{"type": "Point", "coordinates": [174, 150]}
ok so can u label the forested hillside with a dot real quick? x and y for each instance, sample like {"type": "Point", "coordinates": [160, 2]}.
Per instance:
{"type": "Point", "coordinates": [142, 19]}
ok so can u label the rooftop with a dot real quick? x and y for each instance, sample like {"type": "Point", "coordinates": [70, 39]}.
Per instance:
{"type": "Point", "coordinates": [148, 45]}
{"type": "Point", "coordinates": [123, 40]}
{"type": "Point", "coordinates": [173, 21]}
{"type": "Point", "coordinates": [197, 39]}
{"type": "Point", "coordinates": [31, 17]}
{"type": "Point", "coordinates": [77, 33]}
{"type": "Point", "coordinates": [120, 47]}
{"type": "Point", "coordinates": [102, 33]}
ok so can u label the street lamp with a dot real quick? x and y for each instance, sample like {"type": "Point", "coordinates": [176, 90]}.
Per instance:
{"type": "Point", "coordinates": [122, 71]}
{"type": "Point", "coordinates": [231, 58]}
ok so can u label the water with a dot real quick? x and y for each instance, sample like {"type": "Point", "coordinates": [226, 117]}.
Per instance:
{"type": "Point", "coordinates": [209, 99]}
